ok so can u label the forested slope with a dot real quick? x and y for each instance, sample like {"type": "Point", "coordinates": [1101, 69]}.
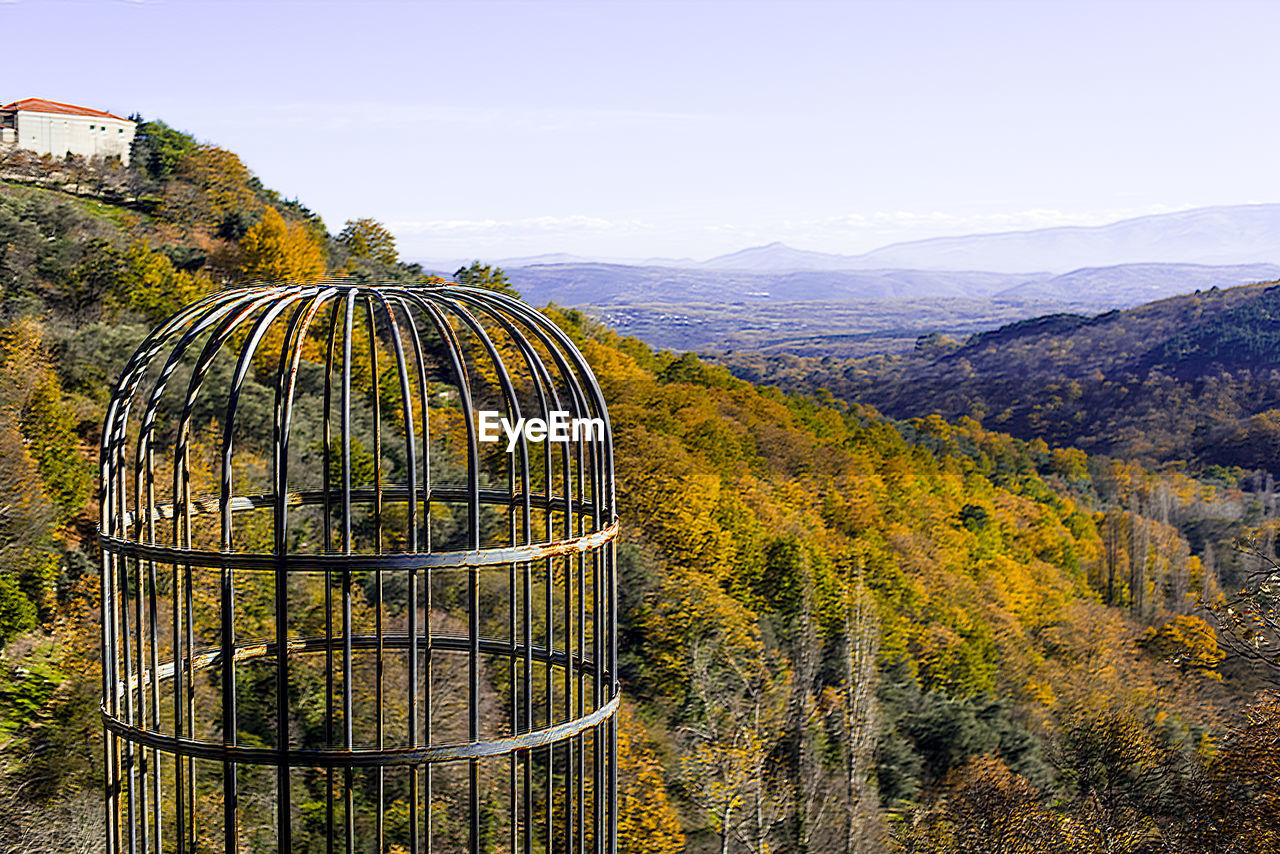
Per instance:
{"type": "Point", "coordinates": [1194, 378]}
{"type": "Point", "coordinates": [840, 632]}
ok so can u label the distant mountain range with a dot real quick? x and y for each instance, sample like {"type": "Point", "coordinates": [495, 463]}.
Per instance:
{"type": "Point", "coordinates": [1130, 284]}
{"type": "Point", "coordinates": [619, 284]}
{"type": "Point", "coordinates": [1123, 263]}
{"type": "Point", "coordinates": [1212, 236]}
{"type": "Point", "coordinates": [1107, 287]}
{"type": "Point", "coordinates": [766, 293]}
{"type": "Point", "coordinates": [1239, 234]}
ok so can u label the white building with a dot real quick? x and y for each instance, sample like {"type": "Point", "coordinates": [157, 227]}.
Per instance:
{"type": "Point", "coordinates": [48, 127]}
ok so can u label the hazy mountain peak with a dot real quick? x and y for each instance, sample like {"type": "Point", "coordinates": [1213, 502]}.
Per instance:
{"type": "Point", "coordinates": [779, 257]}
{"type": "Point", "coordinates": [1221, 235]}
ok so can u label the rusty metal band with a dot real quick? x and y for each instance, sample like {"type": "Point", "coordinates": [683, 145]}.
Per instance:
{"type": "Point", "coordinates": [389, 492]}
{"type": "Point", "coordinates": [264, 562]}
{"type": "Point", "coordinates": [364, 758]}
{"type": "Point", "coordinates": [212, 656]}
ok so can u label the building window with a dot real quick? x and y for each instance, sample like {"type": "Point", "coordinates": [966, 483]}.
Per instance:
{"type": "Point", "coordinates": [90, 127]}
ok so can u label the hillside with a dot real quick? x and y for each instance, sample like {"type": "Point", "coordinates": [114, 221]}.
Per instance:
{"type": "Point", "coordinates": [882, 634]}
{"type": "Point", "coordinates": [1193, 378]}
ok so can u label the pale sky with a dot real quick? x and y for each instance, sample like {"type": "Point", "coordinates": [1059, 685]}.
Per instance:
{"type": "Point", "coordinates": [492, 129]}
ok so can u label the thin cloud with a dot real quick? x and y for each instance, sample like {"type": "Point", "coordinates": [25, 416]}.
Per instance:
{"type": "Point", "coordinates": [444, 118]}
{"type": "Point", "coordinates": [535, 223]}
{"type": "Point", "coordinates": [968, 222]}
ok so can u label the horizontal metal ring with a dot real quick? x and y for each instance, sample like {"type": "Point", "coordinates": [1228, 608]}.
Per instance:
{"type": "Point", "coordinates": [360, 758]}
{"type": "Point", "coordinates": [392, 493]}
{"type": "Point", "coordinates": [208, 657]}
{"type": "Point", "coordinates": [401, 562]}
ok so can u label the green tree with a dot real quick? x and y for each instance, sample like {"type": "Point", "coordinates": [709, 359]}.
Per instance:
{"type": "Point", "coordinates": [17, 613]}
{"type": "Point", "coordinates": [157, 149]}
{"type": "Point", "coordinates": [483, 276]}
{"type": "Point", "coordinates": [150, 285]}
{"type": "Point", "coordinates": [368, 238]}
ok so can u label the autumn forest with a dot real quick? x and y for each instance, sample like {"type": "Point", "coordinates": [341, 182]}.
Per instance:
{"type": "Point", "coordinates": [1011, 594]}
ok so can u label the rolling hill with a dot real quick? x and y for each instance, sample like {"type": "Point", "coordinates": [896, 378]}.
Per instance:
{"type": "Point", "coordinates": [1193, 378]}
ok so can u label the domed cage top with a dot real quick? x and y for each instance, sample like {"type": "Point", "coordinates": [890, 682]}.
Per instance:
{"type": "Point", "coordinates": [358, 579]}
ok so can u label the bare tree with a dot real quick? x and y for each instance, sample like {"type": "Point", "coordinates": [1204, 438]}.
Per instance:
{"type": "Point", "coordinates": [70, 826]}
{"type": "Point", "coordinates": [864, 831]}
{"type": "Point", "coordinates": [817, 786]}
{"type": "Point", "coordinates": [1249, 621]}
{"type": "Point", "coordinates": [726, 767]}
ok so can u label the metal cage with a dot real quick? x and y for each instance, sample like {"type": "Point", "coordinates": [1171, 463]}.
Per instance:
{"type": "Point", "coordinates": [336, 614]}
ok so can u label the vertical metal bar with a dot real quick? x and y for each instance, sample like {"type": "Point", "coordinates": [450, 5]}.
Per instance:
{"type": "Point", "coordinates": [179, 679]}
{"type": "Point", "coordinates": [611, 570]}
{"type": "Point", "coordinates": [107, 523]}
{"type": "Point", "coordinates": [130, 748]}
{"type": "Point", "coordinates": [141, 752]}
{"type": "Point", "coordinates": [188, 622]}
{"type": "Point", "coordinates": [287, 375]}
{"type": "Point", "coordinates": [426, 547]}
{"type": "Point", "coordinates": [377, 526]}
{"type": "Point", "coordinates": [230, 789]}
{"type": "Point", "coordinates": [140, 622]}
{"type": "Point", "coordinates": [421, 541]}
{"type": "Point", "coordinates": [473, 573]}
{"type": "Point", "coordinates": [122, 618]}
{"type": "Point", "coordinates": [154, 630]}
{"type": "Point", "coordinates": [549, 618]}
{"type": "Point", "coordinates": [406, 396]}
{"type": "Point", "coordinates": [110, 671]}
{"type": "Point", "coordinates": [183, 693]}
{"type": "Point", "coordinates": [597, 651]}
{"type": "Point", "coordinates": [348, 732]}
{"type": "Point", "coordinates": [230, 725]}
{"type": "Point", "coordinates": [579, 740]}
{"type": "Point", "coordinates": [570, 791]}
{"type": "Point", "coordinates": [328, 578]}
{"type": "Point", "coordinates": [458, 364]}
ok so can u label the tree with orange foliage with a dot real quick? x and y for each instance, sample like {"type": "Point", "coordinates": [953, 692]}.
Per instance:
{"type": "Point", "coordinates": [275, 250]}
{"type": "Point", "coordinates": [647, 822]}
{"type": "Point", "coordinates": [210, 184]}
{"type": "Point", "coordinates": [986, 807]}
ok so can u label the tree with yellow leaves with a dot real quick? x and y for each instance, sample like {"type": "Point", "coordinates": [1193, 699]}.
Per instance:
{"type": "Point", "coordinates": [647, 823]}
{"type": "Point", "coordinates": [211, 184]}
{"type": "Point", "coordinates": [274, 250]}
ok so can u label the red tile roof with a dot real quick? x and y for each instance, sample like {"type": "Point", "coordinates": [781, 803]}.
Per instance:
{"type": "Point", "coordinates": [40, 105]}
